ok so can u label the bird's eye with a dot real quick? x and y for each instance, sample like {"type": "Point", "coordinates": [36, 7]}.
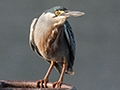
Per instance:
{"type": "Point", "coordinates": [57, 12]}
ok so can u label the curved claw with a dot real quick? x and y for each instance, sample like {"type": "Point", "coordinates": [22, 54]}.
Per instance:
{"type": "Point", "coordinates": [40, 83]}
{"type": "Point", "coordinates": [57, 84]}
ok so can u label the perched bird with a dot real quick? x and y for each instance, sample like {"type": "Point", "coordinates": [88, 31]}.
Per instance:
{"type": "Point", "coordinates": [51, 37]}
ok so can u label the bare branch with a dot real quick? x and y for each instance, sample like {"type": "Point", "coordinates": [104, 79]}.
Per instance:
{"type": "Point", "coordinates": [31, 84]}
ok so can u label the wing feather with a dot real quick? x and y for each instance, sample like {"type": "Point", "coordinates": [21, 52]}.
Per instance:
{"type": "Point", "coordinates": [71, 41]}
{"type": "Point", "coordinates": [31, 37]}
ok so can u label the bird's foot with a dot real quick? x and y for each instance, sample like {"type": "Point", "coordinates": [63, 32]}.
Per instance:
{"type": "Point", "coordinates": [57, 84]}
{"type": "Point", "coordinates": [42, 83]}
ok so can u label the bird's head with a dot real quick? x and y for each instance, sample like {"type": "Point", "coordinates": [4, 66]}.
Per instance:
{"type": "Point", "coordinates": [58, 15]}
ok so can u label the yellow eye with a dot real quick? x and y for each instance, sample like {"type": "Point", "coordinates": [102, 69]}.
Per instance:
{"type": "Point", "coordinates": [57, 12]}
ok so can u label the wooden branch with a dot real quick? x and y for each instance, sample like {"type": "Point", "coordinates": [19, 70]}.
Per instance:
{"type": "Point", "coordinates": [31, 84]}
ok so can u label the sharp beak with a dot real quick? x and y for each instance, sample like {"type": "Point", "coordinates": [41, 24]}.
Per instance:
{"type": "Point", "coordinates": [72, 13]}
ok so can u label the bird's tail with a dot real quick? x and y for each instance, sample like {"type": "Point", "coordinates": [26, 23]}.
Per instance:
{"type": "Point", "coordinates": [68, 70]}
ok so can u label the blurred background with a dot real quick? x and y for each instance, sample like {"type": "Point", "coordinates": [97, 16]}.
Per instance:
{"type": "Point", "coordinates": [97, 35]}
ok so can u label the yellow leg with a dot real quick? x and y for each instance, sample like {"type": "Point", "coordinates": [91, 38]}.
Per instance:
{"type": "Point", "coordinates": [45, 80]}
{"type": "Point", "coordinates": [58, 83]}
